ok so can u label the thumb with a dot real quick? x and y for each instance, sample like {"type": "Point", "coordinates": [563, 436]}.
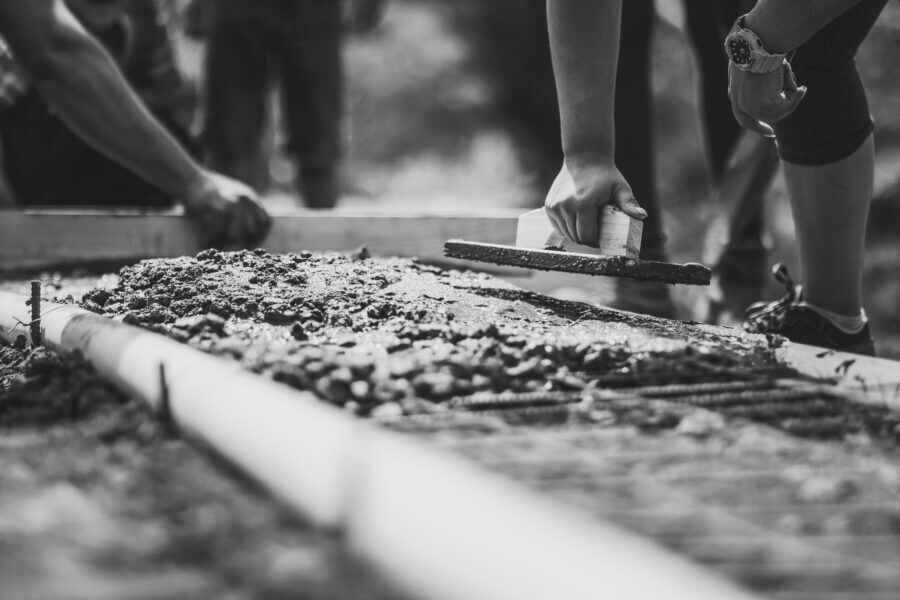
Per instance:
{"type": "Point", "coordinates": [623, 197]}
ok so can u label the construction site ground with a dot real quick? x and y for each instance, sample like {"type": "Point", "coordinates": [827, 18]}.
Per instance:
{"type": "Point", "coordinates": [691, 435]}
{"type": "Point", "coordinates": [774, 481]}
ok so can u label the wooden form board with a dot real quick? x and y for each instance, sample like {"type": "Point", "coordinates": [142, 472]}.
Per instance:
{"type": "Point", "coordinates": [59, 238]}
{"type": "Point", "coordinates": [870, 380]}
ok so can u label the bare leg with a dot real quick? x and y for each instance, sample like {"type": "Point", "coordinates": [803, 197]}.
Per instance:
{"type": "Point", "coordinates": [831, 207]}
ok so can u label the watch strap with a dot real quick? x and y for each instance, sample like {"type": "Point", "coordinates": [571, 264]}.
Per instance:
{"type": "Point", "coordinates": [766, 64]}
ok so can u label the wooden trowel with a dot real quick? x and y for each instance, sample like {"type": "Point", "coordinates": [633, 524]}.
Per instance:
{"type": "Point", "coordinates": [539, 246]}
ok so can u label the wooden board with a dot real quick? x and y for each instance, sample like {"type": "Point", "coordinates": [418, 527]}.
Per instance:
{"type": "Point", "coordinates": [619, 234]}
{"type": "Point", "coordinates": [59, 238]}
{"type": "Point", "coordinates": [870, 380]}
{"type": "Point", "coordinates": [587, 264]}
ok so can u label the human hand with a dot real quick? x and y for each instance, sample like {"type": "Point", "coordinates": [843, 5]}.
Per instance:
{"type": "Point", "coordinates": [759, 100]}
{"type": "Point", "coordinates": [227, 212]}
{"type": "Point", "coordinates": [362, 16]}
{"type": "Point", "coordinates": [585, 183]}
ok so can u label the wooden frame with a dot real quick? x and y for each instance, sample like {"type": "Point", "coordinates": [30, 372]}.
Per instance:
{"type": "Point", "coordinates": [33, 240]}
{"type": "Point", "coordinates": [869, 380]}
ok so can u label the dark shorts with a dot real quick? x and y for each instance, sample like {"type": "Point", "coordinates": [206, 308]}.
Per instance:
{"type": "Point", "coordinates": [833, 119]}
{"type": "Point", "coordinates": [256, 43]}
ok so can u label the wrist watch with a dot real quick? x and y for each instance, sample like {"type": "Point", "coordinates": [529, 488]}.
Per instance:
{"type": "Point", "coordinates": [745, 50]}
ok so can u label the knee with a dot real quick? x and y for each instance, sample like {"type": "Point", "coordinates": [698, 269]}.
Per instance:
{"type": "Point", "coordinates": [833, 119]}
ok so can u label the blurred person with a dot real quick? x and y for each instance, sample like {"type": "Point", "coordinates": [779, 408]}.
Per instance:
{"type": "Point", "coordinates": [46, 163]}
{"type": "Point", "coordinates": [824, 135]}
{"type": "Point", "coordinates": [737, 242]}
{"type": "Point", "coordinates": [296, 43]}
{"type": "Point", "coordinates": [82, 85]}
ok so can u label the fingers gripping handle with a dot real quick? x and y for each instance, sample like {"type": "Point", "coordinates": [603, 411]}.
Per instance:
{"type": "Point", "coordinates": [620, 235]}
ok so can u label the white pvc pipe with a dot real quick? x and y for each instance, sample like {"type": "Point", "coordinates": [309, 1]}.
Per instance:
{"type": "Point", "coordinates": [451, 531]}
{"type": "Point", "coordinates": [295, 444]}
{"type": "Point", "coordinates": [437, 525]}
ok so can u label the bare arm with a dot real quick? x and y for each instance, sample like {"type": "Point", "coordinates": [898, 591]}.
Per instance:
{"type": "Point", "coordinates": [80, 81]}
{"type": "Point", "coordinates": [784, 25]}
{"type": "Point", "coordinates": [77, 77]}
{"type": "Point", "coordinates": [584, 39]}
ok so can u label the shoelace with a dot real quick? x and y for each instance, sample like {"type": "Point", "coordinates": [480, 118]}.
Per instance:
{"type": "Point", "coordinates": [769, 316]}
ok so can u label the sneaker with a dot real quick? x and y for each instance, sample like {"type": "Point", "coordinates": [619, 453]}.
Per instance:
{"type": "Point", "coordinates": [725, 304]}
{"type": "Point", "coordinates": [319, 188]}
{"type": "Point", "coordinates": [790, 318]}
{"type": "Point", "coordinates": [644, 297]}
{"type": "Point", "coordinates": [742, 265]}
{"type": "Point", "coordinates": [736, 282]}
{"type": "Point", "coordinates": [738, 278]}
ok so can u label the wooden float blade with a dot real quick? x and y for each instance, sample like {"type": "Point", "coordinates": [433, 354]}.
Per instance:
{"type": "Point", "coordinates": [587, 264]}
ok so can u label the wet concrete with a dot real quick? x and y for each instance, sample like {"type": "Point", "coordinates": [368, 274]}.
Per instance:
{"type": "Point", "coordinates": [363, 333]}
{"type": "Point", "coordinates": [409, 344]}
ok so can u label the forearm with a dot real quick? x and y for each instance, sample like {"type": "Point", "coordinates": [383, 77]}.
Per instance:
{"type": "Point", "coordinates": [80, 81]}
{"type": "Point", "coordinates": [584, 40]}
{"type": "Point", "coordinates": [784, 25]}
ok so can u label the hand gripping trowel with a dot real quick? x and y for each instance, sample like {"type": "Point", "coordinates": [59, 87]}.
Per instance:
{"type": "Point", "coordinates": [539, 246]}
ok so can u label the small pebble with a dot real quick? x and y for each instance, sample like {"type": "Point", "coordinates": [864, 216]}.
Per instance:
{"type": "Point", "coordinates": [388, 410]}
{"type": "Point", "coordinates": [701, 424]}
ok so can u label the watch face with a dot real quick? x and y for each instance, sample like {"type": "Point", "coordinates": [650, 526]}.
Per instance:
{"type": "Point", "coordinates": [739, 49]}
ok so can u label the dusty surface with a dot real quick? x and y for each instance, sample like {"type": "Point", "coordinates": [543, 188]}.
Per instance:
{"type": "Point", "coordinates": [100, 501]}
